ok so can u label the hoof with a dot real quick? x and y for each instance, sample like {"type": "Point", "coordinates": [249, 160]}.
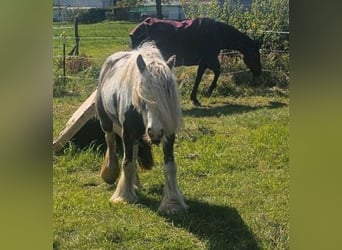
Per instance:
{"type": "Point", "coordinates": [137, 184]}
{"type": "Point", "coordinates": [117, 200]}
{"type": "Point", "coordinates": [208, 93]}
{"type": "Point", "coordinates": [123, 199]}
{"type": "Point", "coordinates": [109, 175]}
{"type": "Point", "coordinates": [173, 207]}
{"type": "Point", "coordinates": [196, 103]}
{"type": "Point", "coordinates": [110, 169]}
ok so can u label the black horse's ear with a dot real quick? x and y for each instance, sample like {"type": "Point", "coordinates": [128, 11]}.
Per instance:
{"type": "Point", "coordinates": [141, 64]}
{"type": "Point", "coordinates": [171, 61]}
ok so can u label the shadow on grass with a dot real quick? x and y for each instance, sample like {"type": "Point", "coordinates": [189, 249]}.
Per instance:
{"type": "Point", "coordinates": [221, 226]}
{"type": "Point", "coordinates": [227, 109]}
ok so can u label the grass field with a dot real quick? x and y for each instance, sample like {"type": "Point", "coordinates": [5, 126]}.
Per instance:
{"type": "Point", "coordinates": [233, 168]}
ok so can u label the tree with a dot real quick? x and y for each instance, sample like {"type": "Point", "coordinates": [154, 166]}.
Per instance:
{"type": "Point", "coordinates": [127, 3]}
{"type": "Point", "coordinates": [159, 9]}
{"type": "Point", "coordinates": [131, 3]}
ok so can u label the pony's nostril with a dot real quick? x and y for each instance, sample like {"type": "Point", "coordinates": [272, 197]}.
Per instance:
{"type": "Point", "coordinates": [161, 132]}
{"type": "Point", "coordinates": [149, 131]}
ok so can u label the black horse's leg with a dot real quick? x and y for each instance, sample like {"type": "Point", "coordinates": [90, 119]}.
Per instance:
{"type": "Point", "coordinates": [193, 96]}
{"type": "Point", "coordinates": [125, 190]}
{"type": "Point", "coordinates": [216, 68]}
{"type": "Point", "coordinates": [173, 201]}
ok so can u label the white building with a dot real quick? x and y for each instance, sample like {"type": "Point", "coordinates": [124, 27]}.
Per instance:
{"type": "Point", "coordinates": [171, 9]}
{"type": "Point", "coordinates": [64, 10]}
{"type": "Point", "coordinates": [84, 3]}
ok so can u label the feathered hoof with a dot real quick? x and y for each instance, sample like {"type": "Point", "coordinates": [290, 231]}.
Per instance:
{"type": "Point", "coordinates": [173, 207]}
{"type": "Point", "coordinates": [123, 198]}
{"type": "Point", "coordinates": [109, 175]}
{"type": "Point", "coordinates": [208, 93]}
{"type": "Point", "coordinates": [137, 184]}
{"type": "Point", "coordinates": [196, 102]}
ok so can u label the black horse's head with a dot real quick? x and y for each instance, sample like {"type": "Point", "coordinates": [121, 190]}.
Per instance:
{"type": "Point", "coordinates": [251, 57]}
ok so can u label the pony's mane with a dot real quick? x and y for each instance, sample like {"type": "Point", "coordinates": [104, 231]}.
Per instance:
{"type": "Point", "coordinates": [155, 89]}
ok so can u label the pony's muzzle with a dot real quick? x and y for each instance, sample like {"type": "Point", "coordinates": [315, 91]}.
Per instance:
{"type": "Point", "coordinates": [256, 73]}
{"type": "Point", "coordinates": [155, 135]}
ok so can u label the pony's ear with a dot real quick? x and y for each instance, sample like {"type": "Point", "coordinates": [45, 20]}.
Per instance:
{"type": "Point", "coordinates": [141, 63]}
{"type": "Point", "coordinates": [171, 61]}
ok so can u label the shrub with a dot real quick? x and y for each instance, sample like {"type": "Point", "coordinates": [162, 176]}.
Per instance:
{"type": "Point", "coordinates": [93, 15]}
{"type": "Point", "coordinates": [261, 21]}
{"type": "Point", "coordinates": [59, 86]}
{"type": "Point", "coordinates": [261, 16]}
{"type": "Point", "coordinates": [79, 65]}
{"type": "Point", "coordinates": [74, 64]}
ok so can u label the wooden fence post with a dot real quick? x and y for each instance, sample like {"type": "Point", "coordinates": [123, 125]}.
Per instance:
{"type": "Point", "coordinates": [63, 36]}
{"type": "Point", "coordinates": [74, 50]}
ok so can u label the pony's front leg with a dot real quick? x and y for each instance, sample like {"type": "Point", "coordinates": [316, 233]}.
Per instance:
{"type": "Point", "coordinates": [173, 201]}
{"type": "Point", "coordinates": [110, 167]}
{"type": "Point", "coordinates": [125, 190]}
{"type": "Point", "coordinates": [216, 68]}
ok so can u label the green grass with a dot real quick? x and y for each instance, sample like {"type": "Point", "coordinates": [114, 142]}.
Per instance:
{"type": "Point", "coordinates": [233, 169]}
{"type": "Point", "coordinates": [96, 40]}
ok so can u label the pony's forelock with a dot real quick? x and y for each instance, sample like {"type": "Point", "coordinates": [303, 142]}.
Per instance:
{"type": "Point", "coordinates": [157, 89]}
{"type": "Point", "coordinates": [154, 89]}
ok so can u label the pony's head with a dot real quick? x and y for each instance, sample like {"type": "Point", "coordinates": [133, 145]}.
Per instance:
{"type": "Point", "coordinates": [158, 99]}
{"type": "Point", "coordinates": [232, 38]}
{"type": "Point", "coordinates": [251, 57]}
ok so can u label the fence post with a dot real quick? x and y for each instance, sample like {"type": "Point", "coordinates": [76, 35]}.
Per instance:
{"type": "Point", "coordinates": [159, 9]}
{"type": "Point", "coordinates": [63, 36]}
{"type": "Point", "coordinates": [74, 50]}
{"type": "Point", "coordinates": [77, 37]}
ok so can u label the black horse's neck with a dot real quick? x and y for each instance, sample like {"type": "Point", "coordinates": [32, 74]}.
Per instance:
{"type": "Point", "coordinates": [231, 38]}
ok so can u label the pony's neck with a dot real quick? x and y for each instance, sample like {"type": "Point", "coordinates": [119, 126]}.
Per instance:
{"type": "Point", "coordinates": [234, 39]}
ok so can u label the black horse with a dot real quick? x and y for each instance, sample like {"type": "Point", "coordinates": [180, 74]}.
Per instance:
{"type": "Point", "coordinates": [198, 42]}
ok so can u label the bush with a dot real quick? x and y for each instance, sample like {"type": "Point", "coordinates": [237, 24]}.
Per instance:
{"type": "Point", "coordinates": [79, 65]}
{"type": "Point", "coordinates": [94, 15]}
{"type": "Point", "coordinates": [261, 16]}
{"type": "Point", "coordinates": [59, 84]}
{"type": "Point", "coordinates": [74, 64]}
{"type": "Point", "coordinates": [261, 21]}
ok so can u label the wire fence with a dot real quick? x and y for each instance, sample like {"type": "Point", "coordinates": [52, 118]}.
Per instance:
{"type": "Point", "coordinates": [231, 53]}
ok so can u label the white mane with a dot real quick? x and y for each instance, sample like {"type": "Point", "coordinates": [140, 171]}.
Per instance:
{"type": "Point", "coordinates": [156, 87]}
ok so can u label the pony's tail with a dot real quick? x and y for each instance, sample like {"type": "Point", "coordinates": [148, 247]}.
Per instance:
{"type": "Point", "coordinates": [145, 157]}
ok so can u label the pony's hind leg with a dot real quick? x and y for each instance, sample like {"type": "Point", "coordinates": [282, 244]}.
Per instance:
{"type": "Point", "coordinates": [173, 201]}
{"type": "Point", "coordinates": [125, 190]}
{"type": "Point", "coordinates": [110, 167]}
